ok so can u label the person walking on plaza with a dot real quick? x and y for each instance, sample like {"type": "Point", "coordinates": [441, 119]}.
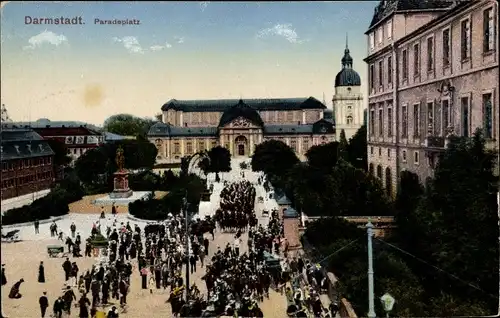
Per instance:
{"type": "Point", "coordinates": [4, 278]}
{"type": "Point", "coordinates": [41, 273]}
{"type": "Point", "coordinates": [44, 304]}
{"type": "Point", "coordinates": [37, 226]}
{"type": "Point", "coordinates": [67, 269]}
{"type": "Point", "coordinates": [58, 307]}
{"type": "Point", "coordinates": [84, 302]}
{"type": "Point", "coordinates": [73, 229]}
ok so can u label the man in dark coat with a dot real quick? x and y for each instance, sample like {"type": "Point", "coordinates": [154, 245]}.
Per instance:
{"type": "Point", "coordinates": [37, 227]}
{"type": "Point", "coordinates": [44, 304]}
{"type": "Point", "coordinates": [4, 278]}
{"type": "Point", "coordinates": [84, 302]}
{"type": "Point", "coordinates": [67, 268]}
{"type": "Point", "coordinates": [14, 291]}
{"type": "Point", "coordinates": [113, 313]}
{"type": "Point", "coordinates": [68, 298]}
{"type": "Point", "coordinates": [41, 273]}
{"type": "Point", "coordinates": [58, 307]}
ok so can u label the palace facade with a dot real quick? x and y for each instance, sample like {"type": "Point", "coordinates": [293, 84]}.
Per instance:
{"type": "Point", "coordinates": [190, 126]}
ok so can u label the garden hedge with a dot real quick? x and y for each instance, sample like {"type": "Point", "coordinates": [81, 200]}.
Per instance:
{"type": "Point", "coordinates": [53, 204]}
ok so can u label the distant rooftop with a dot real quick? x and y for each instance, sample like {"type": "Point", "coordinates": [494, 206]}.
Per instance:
{"type": "Point", "coordinates": [46, 123]}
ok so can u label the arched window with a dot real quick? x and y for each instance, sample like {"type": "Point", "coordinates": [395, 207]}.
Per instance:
{"type": "Point", "coordinates": [379, 171]}
{"type": "Point", "coordinates": [349, 120]}
{"type": "Point", "coordinates": [371, 169]}
{"type": "Point", "coordinates": [388, 181]}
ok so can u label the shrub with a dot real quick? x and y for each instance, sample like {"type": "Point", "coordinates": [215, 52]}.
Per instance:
{"type": "Point", "coordinates": [53, 204]}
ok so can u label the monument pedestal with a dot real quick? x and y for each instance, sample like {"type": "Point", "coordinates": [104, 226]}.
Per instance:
{"type": "Point", "coordinates": [121, 189]}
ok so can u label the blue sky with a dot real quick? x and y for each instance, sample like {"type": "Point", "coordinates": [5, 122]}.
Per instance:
{"type": "Point", "coordinates": [195, 50]}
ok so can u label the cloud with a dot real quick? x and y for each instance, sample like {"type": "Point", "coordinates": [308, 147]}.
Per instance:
{"type": "Point", "coordinates": [204, 5]}
{"type": "Point", "coordinates": [130, 43]}
{"type": "Point", "coordinates": [179, 39]}
{"type": "Point", "coordinates": [46, 37]}
{"type": "Point", "coordinates": [155, 48]}
{"type": "Point", "coordinates": [283, 30]}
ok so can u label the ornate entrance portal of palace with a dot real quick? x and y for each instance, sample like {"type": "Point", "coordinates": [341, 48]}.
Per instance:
{"type": "Point", "coordinates": [241, 143]}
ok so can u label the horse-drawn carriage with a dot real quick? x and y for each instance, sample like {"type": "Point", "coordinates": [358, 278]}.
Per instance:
{"type": "Point", "coordinates": [55, 251]}
{"type": "Point", "coordinates": [11, 236]}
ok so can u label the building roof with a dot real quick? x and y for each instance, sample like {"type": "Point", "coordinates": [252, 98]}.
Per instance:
{"type": "Point", "coordinates": [46, 123]}
{"type": "Point", "coordinates": [290, 213]}
{"type": "Point", "coordinates": [20, 143]}
{"type": "Point", "coordinates": [221, 105]}
{"type": "Point", "coordinates": [113, 137]}
{"type": "Point", "coordinates": [322, 126]}
{"type": "Point", "coordinates": [388, 7]}
{"type": "Point", "coordinates": [283, 200]}
{"type": "Point", "coordinates": [241, 109]}
{"type": "Point", "coordinates": [166, 130]}
{"type": "Point", "coordinates": [328, 114]}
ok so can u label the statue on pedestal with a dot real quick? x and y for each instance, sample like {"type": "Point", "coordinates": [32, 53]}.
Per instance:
{"type": "Point", "coordinates": [120, 158]}
{"type": "Point", "coordinates": [121, 189]}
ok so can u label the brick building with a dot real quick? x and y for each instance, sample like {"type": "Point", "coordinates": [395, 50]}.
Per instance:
{"type": "Point", "coordinates": [27, 162]}
{"type": "Point", "coordinates": [77, 136]}
{"type": "Point", "coordinates": [433, 72]}
{"type": "Point", "coordinates": [239, 125]}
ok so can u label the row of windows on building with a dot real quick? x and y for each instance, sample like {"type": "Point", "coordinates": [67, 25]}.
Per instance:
{"type": "Point", "coordinates": [380, 35]}
{"type": "Point", "coordinates": [465, 52]}
{"type": "Point", "coordinates": [268, 116]}
{"type": "Point", "coordinates": [26, 163]}
{"type": "Point", "coordinates": [20, 181]}
{"type": "Point", "coordinates": [438, 118]}
{"type": "Point", "coordinates": [76, 151]}
{"type": "Point", "coordinates": [81, 140]}
{"type": "Point", "coordinates": [404, 156]}
{"type": "Point", "coordinates": [189, 150]}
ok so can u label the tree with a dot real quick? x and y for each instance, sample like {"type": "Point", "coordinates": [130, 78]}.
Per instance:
{"type": "Point", "coordinates": [220, 160]}
{"type": "Point", "coordinates": [91, 165]}
{"type": "Point", "coordinates": [357, 193]}
{"type": "Point", "coordinates": [127, 125]}
{"type": "Point", "coordinates": [323, 157]}
{"type": "Point", "coordinates": [457, 223]}
{"type": "Point", "coordinates": [61, 157]}
{"type": "Point", "coordinates": [274, 158]}
{"type": "Point", "coordinates": [407, 200]}
{"type": "Point", "coordinates": [342, 147]}
{"type": "Point", "coordinates": [357, 149]}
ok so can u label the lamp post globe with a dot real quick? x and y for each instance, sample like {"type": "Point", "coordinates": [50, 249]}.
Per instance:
{"type": "Point", "coordinates": [388, 303]}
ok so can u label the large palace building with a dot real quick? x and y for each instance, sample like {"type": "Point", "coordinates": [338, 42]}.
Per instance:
{"type": "Point", "coordinates": [190, 126]}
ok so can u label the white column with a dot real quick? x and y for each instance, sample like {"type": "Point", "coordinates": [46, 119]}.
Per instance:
{"type": "Point", "coordinates": [251, 144]}
{"type": "Point", "coordinates": [231, 145]}
{"type": "Point", "coordinates": [303, 117]}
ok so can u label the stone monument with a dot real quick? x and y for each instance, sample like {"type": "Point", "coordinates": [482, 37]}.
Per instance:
{"type": "Point", "coordinates": [121, 189]}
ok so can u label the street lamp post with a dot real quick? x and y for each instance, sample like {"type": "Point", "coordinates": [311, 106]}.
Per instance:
{"type": "Point", "coordinates": [371, 293]}
{"type": "Point", "coordinates": [387, 302]}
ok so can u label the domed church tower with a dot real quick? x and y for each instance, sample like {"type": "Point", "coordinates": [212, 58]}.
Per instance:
{"type": "Point", "coordinates": [348, 105]}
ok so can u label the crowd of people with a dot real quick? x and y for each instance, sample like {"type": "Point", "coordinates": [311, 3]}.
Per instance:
{"type": "Point", "coordinates": [237, 277]}
{"type": "Point", "coordinates": [237, 207]}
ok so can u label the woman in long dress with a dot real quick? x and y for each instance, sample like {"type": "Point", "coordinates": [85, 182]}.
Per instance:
{"type": "Point", "coordinates": [41, 273]}
{"type": "Point", "coordinates": [4, 278]}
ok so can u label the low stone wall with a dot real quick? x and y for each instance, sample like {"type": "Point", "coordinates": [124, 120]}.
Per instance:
{"type": "Point", "coordinates": [55, 218]}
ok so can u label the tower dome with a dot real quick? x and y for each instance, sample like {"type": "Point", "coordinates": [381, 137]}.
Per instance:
{"type": "Point", "coordinates": [347, 76]}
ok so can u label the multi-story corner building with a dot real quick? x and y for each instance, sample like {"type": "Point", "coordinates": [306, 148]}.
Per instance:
{"type": "Point", "coordinates": [77, 136]}
{"type": "Point", "coordinates": [433, 72]}
{"type": "Point", "coordinates": [190, 126]}
{"type": "Point", "coordinates": [348, 102]}
{"type": "Point", "coordinates": [27, 165]}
